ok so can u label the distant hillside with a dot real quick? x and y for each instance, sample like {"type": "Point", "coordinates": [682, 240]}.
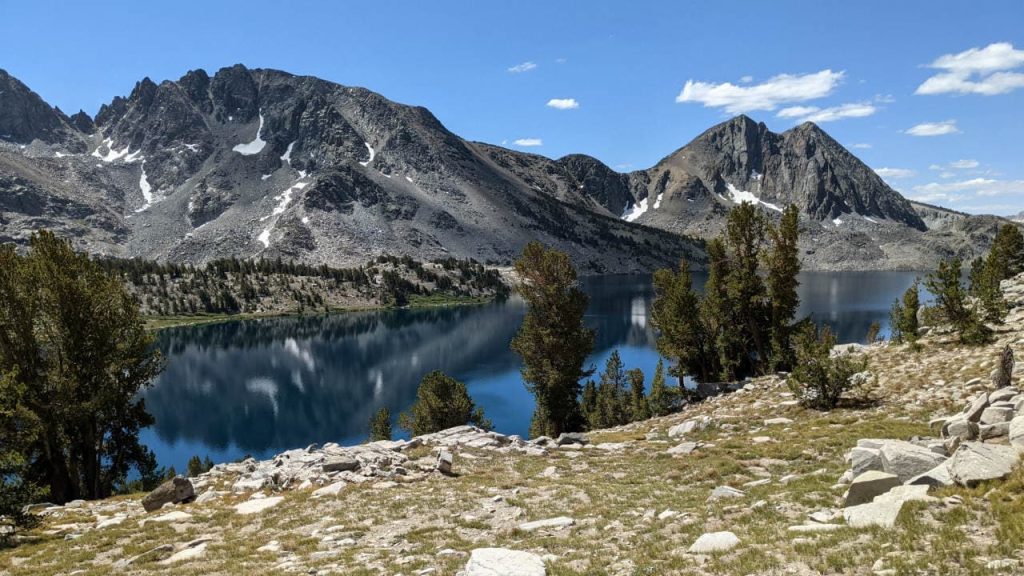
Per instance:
{"type": "Point", "coordinates": [265, 287]}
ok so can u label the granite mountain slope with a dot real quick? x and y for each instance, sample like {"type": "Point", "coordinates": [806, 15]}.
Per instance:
{"type": "Point", "coordinates": [261, 163]}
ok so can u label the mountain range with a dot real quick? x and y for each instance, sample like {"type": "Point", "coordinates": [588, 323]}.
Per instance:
{"type": "Point", "coordinates": [262, 163]}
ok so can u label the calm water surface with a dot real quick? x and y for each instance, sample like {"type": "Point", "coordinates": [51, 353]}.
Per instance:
{"type": "Point", "coordinates": [258, 387]}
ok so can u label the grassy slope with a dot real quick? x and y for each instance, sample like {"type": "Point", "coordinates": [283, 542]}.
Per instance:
{"type": "Point", "coordinates": [401, 528]}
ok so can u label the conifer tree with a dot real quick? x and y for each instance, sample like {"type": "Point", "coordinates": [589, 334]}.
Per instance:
{"type": "Point", "coordinates": [660, 401]}
{"type": "Point", "coordinates": [72, 339]}
{"type": "Point", "coordinates": [380, 425]}
{"type": "Point", "coordinates": [442, 402]}
{"type": "Point", "coordinates": [612, 398]}
{"type": "Point", "coordinates": [552, 341]}
{"type": "Point", "coordinates": [951, 299]}
{"type": "Point", "coordinates": [639, 408]}
{"type": "Point", "coordinates": [783, 268]}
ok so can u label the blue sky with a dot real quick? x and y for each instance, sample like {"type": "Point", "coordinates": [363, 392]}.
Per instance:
{"type": "Point", "coordinates": [615, 74]}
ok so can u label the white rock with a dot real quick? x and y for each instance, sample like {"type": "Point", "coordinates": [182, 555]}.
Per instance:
{"type": "Point", "coordinates": [815, 528]}
{"type": "Point", "coordinates": [714, 542]}
{"type": "Point", "coordinates": [865, 487]}
{"type": "Point", "coordinates": [774, 421]}
{"type": "Point", "coordinates": [975, 462]}
{"type": "Point", "coordinates": [683, 448]}
{"type": "Point", "coordinates": [273, 546]}
{"type": "Point", "coordinates": [725, 492]}
{"type": "Point", "coordinates": [503, 562]}
{"type": "Point", "coordinates": [689, 426]}
{"type": "Point", "coordinates": [258, 505]}
{"type": "Point", "coordinates": [555, 523]}
{"type": "Point", "coordinates": [873, 514]}
{"type": "Point", "coordinates": [329, 490]}
{"type": "Point", "coordinates": [191, 552]}
{"type": "Point", "coordinates": [907, 460]}
{"type": "Point", "coordinates": [1017, 431]}
{"type": "Point", "coordinates": [175, 516]}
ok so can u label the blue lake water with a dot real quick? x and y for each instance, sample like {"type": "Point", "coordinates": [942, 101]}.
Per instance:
{"type": "Point", "coordinates": [258, 387]}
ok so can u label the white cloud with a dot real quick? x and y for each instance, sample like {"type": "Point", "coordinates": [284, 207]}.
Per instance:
{"type": "Point", "coordinates": [524, 67]}
{"type": "Point", "coordinates": [819, 115]}
{"type": "Point", "coordinates": [563, 103]}
{"type": "Point", "coordinates": [769, 95]}
{"type": "Point", "coordinates": [962, 164]}
{"type": "Point", "coordinates": [527, 142]}
{"type": "Point", "coordinates": [934, 128]}
{"type": "Point", "coordinates": [895, 173]}
{"type": "Point", "coordinates": [861, 146]}
{"type": "Point", "coordinates": [747, 79]}
{"type": "Point", "coordinates": [960, 191]}
{"type": "Point", "coordinates": [986, 71]}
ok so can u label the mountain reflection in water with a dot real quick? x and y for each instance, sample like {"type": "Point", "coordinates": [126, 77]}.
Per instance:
{"type": "Point", "coordinates": [258, 387]}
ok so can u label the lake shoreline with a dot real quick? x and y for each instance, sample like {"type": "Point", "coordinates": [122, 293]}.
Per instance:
{"type": "Point", "coordinates": [155, 323]}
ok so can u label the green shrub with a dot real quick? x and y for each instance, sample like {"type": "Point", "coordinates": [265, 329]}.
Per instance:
{"type": "Point", "coordinates": [819, 380]}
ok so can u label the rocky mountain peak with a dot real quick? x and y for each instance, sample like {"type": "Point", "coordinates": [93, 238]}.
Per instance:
{"type": "Point", "coordinates": [25, 116]}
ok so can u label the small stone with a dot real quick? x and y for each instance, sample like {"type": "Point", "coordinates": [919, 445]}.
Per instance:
{"type": "Point", "coordinates": [777, 421]}
{"type": "Point", "coordinates": [445, 460]}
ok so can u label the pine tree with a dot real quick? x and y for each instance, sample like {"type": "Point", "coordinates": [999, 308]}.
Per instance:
{"type": "Point", "coordinates": [17, 428]}
{"type": "Point", "coordinates": [903, 316]}
{"type": "Point", "coordinates": [660, 401]}
{"type": "Point", "coordinates": [552, 341]}
{"type": "Point", "coordinates": [985, 284]}
{"type": "Point", "coordinates": [681, 334]}
{"type": "Point", "coordinates": [819, 380]}
{"type": "Point", "coordinates": [639, 408]}
{"type": "Point", "coordinates": [783, 268]}
{"type": "Point", "coordinates": [197, 466]}
{"type": "Point", "coordinates": [745, 234]}
{"type": "Point", "coordinates": [1007, 252]}
{"type": "Point", "coordinates": [589, 407]}
{"type": "Point", "coordinates": [612, 398]}
{"type": "Point", "coordinates": [380, 425]}
{"type": "Point", "coordinates": [72, 339]}
{"type": "Point", "coordinates": [442, 402]}
{"type": "Point", "coordinates": [951, 299]}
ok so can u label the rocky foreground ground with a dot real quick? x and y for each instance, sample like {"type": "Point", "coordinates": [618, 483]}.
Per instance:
{"type": "Point", "coordinates": [922, 479]}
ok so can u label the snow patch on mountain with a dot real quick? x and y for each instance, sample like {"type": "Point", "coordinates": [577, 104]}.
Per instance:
{"type": "Point", "coordinates": [254, 147]}
{"type": "Point", "coordinates": [372, 154]}
{"type": "Point", "coordinates": [739, 196]}
{"type": "Point", "coordinates": [287, 156]}
{"type": "Point", "coordinates": [112, 153]}
{"type": "Point", "coordinates": [635, 211]}
{"type": "Point", "coordinates": [657, 201]}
